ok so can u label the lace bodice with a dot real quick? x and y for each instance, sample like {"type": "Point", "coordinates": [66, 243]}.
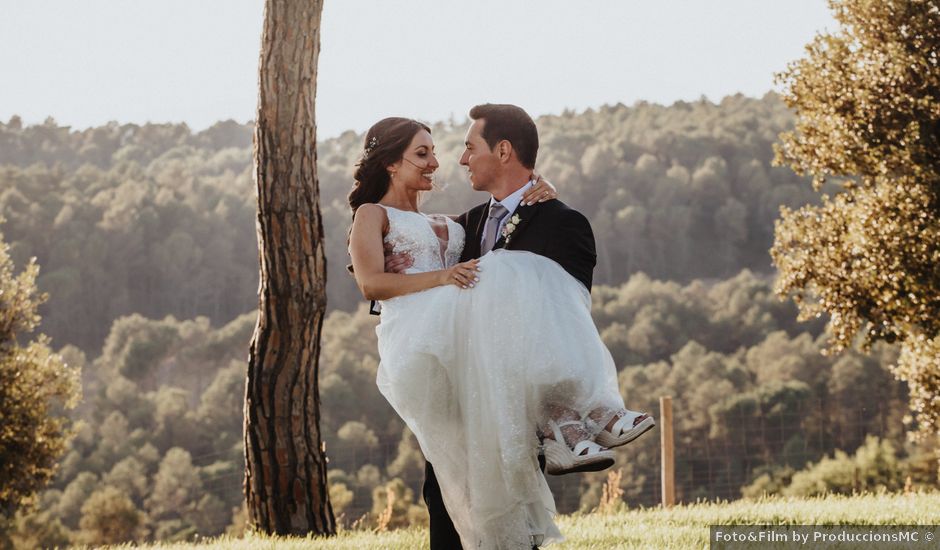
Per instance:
{"type": "Point", "coordinates": [433, 241]}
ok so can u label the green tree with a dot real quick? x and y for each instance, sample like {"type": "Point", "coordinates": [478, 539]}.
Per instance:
{"type": "Point", "coordinates": [340, 497]}
{"type": "Point", "coordinates": [175, 486]}
{"type": "Point", "coordinates": [109, 517]}
{"type": "Point", "coordinates": [35, 387]}
{"type": "Point", "coordinates": [408, 463]}
{"type": "Point", "coordinates": [39, 527]}
{"type": "Point", "coordinates": [74, 496]}
{"type": "Point", "coordinates": [357, 442]}
{"type": "Point", "coordinates": [130, 477]}
{"type": "Point", "coordinates": [875, 465]}
{"type": "Point", "coordinates": [868, 114]}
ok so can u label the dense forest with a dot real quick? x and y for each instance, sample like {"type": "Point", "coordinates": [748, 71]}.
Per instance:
{"type": "Point", "coordinates": [159, 221]}
{"type": "Point", "coordinates": [146, 240]}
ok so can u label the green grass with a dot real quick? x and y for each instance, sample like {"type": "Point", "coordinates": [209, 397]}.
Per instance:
{"type": "Point", "coordinates": [681, 527]}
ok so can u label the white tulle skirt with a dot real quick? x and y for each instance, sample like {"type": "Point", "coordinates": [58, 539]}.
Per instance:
{"type": "Point", "coordinates": [473, 373]}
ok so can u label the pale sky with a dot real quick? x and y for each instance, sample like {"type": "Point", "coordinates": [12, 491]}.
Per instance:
{"type": "Point", "coordinates": [87, 62]}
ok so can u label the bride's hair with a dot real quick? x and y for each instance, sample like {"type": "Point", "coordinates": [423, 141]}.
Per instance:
{"type": "Point", "coordinates": [385, 144]}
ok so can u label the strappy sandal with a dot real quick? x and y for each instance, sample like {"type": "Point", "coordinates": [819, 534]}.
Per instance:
{"type": "Point", "coordinates": [627, 428]}
{"type": "Point", "coordinates": [586, 456]}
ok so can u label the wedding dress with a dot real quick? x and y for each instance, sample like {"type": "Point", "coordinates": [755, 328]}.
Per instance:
{"type": "Point", "coordinates": [472, 372]}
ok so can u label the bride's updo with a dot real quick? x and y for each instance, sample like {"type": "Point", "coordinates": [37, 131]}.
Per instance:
{"type": "Point", "coordinates": [384, 145]}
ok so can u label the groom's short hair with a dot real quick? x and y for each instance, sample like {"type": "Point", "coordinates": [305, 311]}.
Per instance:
{"type": "Point", "coordinates": [511, 123]}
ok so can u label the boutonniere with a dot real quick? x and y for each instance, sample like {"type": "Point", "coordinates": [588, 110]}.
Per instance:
{"type": "Point", "coordinates": [510, 227]}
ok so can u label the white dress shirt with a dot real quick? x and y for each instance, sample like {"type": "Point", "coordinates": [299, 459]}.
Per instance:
{"type": "Point", "coordinates": [510, 203]}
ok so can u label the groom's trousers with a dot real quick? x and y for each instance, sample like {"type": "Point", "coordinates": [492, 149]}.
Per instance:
{"type": "Point", "coordinates": [443, 534]}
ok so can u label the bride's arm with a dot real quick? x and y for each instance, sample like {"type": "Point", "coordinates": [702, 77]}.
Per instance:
{"type": "Point", "coordinates": [368, 260]}
{"type": "Point", "coordinates": [542, 191]}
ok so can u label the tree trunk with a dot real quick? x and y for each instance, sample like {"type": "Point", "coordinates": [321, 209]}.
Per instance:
{"type": "Point", "coordinates": [285, 476]}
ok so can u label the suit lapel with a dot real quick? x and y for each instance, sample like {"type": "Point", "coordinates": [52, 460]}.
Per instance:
{"type": "Point", "coordinates": [481, 223]}
{"type": "Point", "coordinates": [525, 213]}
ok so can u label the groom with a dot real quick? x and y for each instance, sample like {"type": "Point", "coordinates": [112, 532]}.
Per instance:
{"type": "Point", "coordinates": [501, 147]}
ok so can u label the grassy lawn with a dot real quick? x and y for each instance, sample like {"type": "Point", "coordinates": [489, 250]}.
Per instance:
{"type": "Point", "coordinates": [682, 527]}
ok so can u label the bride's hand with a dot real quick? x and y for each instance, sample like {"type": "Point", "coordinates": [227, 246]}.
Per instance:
{"type": "Point", "coordinates": [463, 275]}
{"type": "Point", "coordinates": [542, 191]}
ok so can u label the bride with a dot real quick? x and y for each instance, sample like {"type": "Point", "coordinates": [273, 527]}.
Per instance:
{"type": "Point", "coordinates": [481, 357]}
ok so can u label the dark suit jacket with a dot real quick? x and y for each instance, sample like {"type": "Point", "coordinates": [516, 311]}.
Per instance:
{"type": "Point", "coordinates": [551, 229]}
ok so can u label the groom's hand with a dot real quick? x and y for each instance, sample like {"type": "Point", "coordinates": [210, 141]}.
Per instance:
{"type": "Point", "coordinates": [396, 262]}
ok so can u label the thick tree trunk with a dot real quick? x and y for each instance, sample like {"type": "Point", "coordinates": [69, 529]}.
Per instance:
{"type": "Point", "coordinates": [285, 477]}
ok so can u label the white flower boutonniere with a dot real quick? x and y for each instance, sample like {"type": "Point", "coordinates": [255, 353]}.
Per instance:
{"type": "Point", "coordinates": [510, 227]}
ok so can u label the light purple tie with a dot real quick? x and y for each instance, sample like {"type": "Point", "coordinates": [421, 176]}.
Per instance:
{"type": "Point", "coordinates": [497, 213]}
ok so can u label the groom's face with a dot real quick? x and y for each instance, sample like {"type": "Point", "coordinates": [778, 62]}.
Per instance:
{"type": "Point", "coordinates": [482, 163]}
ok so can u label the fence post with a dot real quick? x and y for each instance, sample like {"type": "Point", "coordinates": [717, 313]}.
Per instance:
{"type": "Point", "coordinates": [668, 455]}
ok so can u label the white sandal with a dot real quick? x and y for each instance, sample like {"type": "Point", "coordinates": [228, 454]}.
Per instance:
{"type": "Point", "coordinates": [561, 459]}
{"type": "Point", "coordinates": [626, 429]}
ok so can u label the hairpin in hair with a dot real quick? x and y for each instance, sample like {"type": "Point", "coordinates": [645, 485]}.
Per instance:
{"type": "Point", "coordinates": [373, 143]}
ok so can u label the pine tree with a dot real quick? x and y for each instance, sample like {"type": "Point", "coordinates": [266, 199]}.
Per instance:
{"type": "Point", "coordinates": [286, 485]}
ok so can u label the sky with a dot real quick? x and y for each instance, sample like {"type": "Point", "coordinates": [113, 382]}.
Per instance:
{"type": "Point", "coordinates": [89, 62]}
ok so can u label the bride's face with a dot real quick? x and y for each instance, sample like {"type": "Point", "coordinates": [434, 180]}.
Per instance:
{"type": "Point", "coordinates": [415, 170]}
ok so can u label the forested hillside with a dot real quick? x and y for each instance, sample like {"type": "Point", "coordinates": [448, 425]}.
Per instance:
{"type": "Point", "coordinates": [158, 220]}
{"type": "Point", "coordinates": [145, 236]}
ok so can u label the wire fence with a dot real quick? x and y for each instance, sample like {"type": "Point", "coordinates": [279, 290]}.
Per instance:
{"type": "Point", "coordinates": [711, 462]}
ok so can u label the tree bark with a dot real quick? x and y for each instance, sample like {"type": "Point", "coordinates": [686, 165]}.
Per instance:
{"type": "Point", "coordinates": [285, 475]}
